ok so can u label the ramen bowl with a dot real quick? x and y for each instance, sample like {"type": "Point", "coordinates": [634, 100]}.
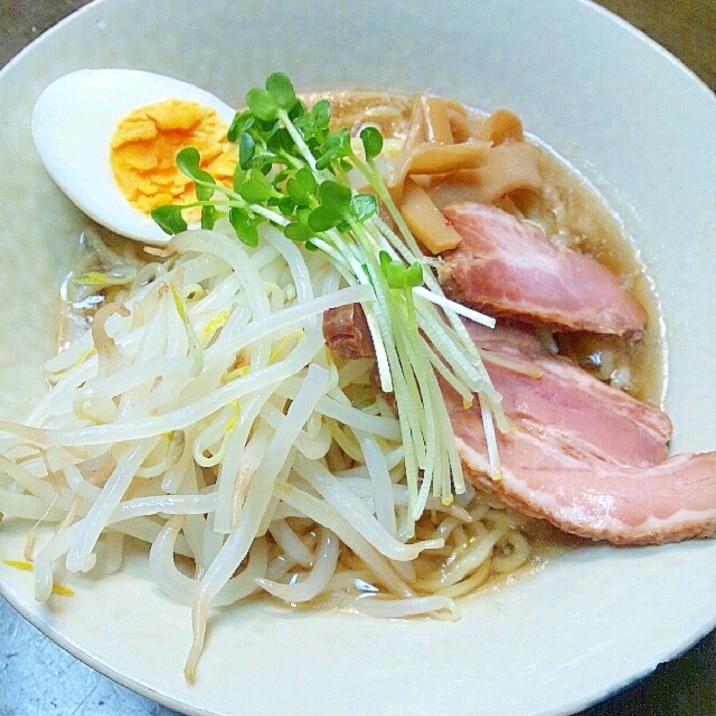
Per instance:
{"type": "Point", "coordinates": [629, 118]}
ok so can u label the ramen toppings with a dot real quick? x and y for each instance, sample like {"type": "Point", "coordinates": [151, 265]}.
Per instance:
{"type": "Point", "coordinates": [204, 413]}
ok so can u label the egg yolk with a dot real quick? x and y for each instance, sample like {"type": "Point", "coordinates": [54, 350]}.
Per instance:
{"type": "Point", "coordinates": [146, 142]}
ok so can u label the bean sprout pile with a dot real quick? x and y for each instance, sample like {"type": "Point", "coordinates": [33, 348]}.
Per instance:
{"type": "Point", "coordinates": [202, 414]}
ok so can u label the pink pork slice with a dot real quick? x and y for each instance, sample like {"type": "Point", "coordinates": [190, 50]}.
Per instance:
{"type": "Point", "coordinates": [669, 502]}
{"type": "Point", "coordinates": [570, 461]}
{"type": "Point", "coordinates": [559, 400]}
{"type": "Point", "coordinates": [509, 268]}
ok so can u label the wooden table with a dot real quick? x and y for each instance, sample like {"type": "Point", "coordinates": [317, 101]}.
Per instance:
{"type": "Point", "coordinates": [683, 687]}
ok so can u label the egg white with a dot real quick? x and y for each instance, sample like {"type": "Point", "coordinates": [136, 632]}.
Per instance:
{"type": "Point", "coordinates": [72, 125]}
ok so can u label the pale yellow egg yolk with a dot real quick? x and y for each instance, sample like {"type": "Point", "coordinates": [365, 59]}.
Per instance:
{"type": "Point", "coordinates": [146, 142]}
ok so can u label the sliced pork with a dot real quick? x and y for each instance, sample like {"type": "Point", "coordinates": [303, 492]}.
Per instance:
{"type": "Point", "coordinates": [346, 331]}
{"type": "Point", "coordinates": [587, 457]}
{"type": "Point", "coordinates": [669, 502]}
{"type": "Point", "coordinates": [507, 267]}
{"type": "Point", "coordinates": [556, 399]}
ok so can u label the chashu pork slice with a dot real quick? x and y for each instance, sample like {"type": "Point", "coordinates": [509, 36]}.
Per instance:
{"type": "Point", "coordinates": [507, 267]}
{"type": "Point", "coordinates": [551, 396]}
{"type": "Point", "coordinates": [669, 502]}
{"type": "Point", "coordinates": [598, 470]}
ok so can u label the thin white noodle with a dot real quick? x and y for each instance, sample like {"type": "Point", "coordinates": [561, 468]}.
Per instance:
{"type": "Point", "coordinates": [290, 543]}
{"type": "Point", "coordinates": [354, 511]}
{"type": "Point", "coordinates": [327, 516]}
{"type": "Point", "coordinates": [400, 608]}
{"type": "Point", "coordinates": [520, 551]}
{"type": "Point", "coordinates": [471, 558]}
{"type": "Point", "coordinates": [315, 581]}
{"type": "Point", "coordinates": [244, 584]}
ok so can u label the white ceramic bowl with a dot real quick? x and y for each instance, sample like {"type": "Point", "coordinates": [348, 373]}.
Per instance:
{"type": "Point", "coordinates": [628, 116]}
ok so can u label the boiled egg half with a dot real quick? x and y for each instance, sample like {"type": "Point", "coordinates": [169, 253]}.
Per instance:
{"type": "Point", "coordinates": [109, 138]}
